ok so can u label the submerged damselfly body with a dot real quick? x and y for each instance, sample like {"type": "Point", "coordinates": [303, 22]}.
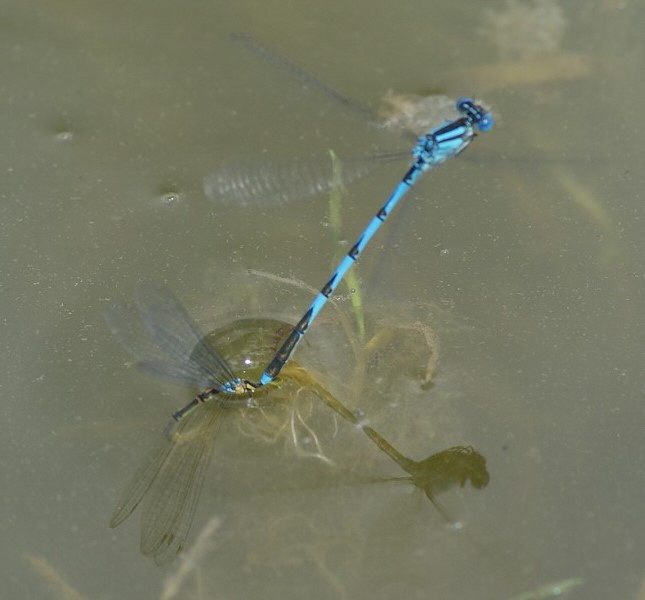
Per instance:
{"type": "Point", "coordinates": [166, 342]}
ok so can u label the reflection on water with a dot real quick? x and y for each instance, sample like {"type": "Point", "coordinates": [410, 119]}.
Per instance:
{"type": "Point", "coordinates": [292, 410]}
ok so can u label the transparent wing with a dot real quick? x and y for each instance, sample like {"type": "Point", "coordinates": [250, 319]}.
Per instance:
{"type": "Point", "coordinates": [169, 505]}
{"type": "Point", "coordinates": [169, 483]}
{"type": "Point", "coordinates": [172, 328]}
{"type": "Point", "coordinates": [269, 184]}
{"type": "Point", "coordinates": [164, 339]}
{"type": "Point", "coordinates": [278, 182]}
{"type": "Point", "coordinates": [142, 479]}
{"type": "Point", "coordinates": [126, 326]}
{"type": "Point", "coordinates": [298, 73]}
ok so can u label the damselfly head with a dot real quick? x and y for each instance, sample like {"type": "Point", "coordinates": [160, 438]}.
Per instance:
{"type": "Point", "coordinates": [476, 113]}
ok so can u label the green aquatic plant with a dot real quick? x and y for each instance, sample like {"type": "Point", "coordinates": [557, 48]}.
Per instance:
{"type": "Point", "coordinates": [337, 193]}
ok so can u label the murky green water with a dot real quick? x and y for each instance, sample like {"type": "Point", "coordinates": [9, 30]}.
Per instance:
{"type": "Point", "coordinates": [503, 303]}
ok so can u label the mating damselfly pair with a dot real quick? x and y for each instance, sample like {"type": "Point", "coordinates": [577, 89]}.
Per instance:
{"type": "Point", "coordinates": [167, 343]}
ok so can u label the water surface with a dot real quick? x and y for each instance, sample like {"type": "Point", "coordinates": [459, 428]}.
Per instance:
{"type": "Point", "coordinates": [524, 257]}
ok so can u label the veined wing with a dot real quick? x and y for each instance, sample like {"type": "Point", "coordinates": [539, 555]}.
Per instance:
{"type": "Point", "coordinates": [164, 339]}
{"type": "Point", "coordinates": [170, 481]}
{"type": "Point", "coordinates": [170, 503]}
{"type": "Point", "coordinates": [277, 182]}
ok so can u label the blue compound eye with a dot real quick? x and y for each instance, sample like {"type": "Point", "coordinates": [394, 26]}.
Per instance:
{"type": "Point", "coordinates": [465, 104]}
{"type": "Point", "coordinates": [486, 122]}
{"type": "Point", "coordinates": [478, 114]}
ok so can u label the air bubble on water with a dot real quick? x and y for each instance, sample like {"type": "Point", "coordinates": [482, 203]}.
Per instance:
{"type": "Point", "coordinates": [169, 198]}
{"type": "Point", "coordinates": [64, 136]}
{"type": "Point", "coordinates": [167, 195]}
{"type": "Point", "coordinates": [361, 418]}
